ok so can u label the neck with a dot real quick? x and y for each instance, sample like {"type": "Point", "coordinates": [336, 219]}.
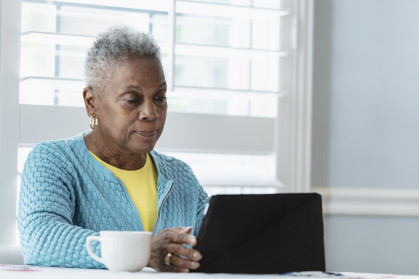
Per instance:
{"type": "Point", "coordinates": [117, 158]}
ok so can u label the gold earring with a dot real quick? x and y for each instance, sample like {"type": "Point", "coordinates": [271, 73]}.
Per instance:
{"type": "Point", "coordinates": [93, 121]}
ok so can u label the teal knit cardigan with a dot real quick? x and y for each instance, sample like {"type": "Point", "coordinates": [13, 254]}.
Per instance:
{"type": "Point", "coordinates": [67, 195]}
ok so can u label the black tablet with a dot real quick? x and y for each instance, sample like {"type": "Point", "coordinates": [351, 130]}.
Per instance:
{"type": "Point", "coordinates": [262, 234]}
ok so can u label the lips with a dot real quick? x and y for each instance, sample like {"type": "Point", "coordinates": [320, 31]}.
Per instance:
{"type": "Point", "coordinates": [147, 133]}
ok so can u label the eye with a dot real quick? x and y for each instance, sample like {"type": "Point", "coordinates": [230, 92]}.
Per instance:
{"type": "Point", "coordinates": [132, 101]}
{"type": "Point", "coordinates": [132, 98]}
{"type": "Point", "coordinates": [160, 99]}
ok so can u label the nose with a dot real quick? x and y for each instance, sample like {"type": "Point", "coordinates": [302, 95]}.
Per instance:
{"type": "Point", "coordinates": [148, 111]}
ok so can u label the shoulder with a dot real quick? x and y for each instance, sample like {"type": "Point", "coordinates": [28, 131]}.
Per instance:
{"type": "Point", "coordinates": [56, 151]}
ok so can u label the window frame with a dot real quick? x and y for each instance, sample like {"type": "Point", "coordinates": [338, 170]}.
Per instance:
{"type": "Point", "coordinates": [9, 123]}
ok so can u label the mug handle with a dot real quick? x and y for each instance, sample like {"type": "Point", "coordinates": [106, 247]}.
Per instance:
{"type": "Point", "coordinates": [89, 240]}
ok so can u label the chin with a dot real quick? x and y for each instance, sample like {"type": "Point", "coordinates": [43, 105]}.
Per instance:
{"type": "Point", "coordinates": [144, 147]}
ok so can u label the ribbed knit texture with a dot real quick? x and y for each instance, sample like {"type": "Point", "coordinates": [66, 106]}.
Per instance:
{"type": "Point", "coordinates": [67, 195]}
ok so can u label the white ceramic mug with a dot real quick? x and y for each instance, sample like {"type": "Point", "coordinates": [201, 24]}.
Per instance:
{"type": "Point", "coordinates": [122, 250]}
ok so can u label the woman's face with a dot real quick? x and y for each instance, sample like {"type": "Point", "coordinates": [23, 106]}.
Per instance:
{"type": "Point", "coordinates": [132, 106]}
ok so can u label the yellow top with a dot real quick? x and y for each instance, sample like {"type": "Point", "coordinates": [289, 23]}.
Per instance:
{"type": "Point", "coordinates": [141, 185]}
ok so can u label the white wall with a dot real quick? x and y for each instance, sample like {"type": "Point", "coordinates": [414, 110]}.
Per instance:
{"type": "Point", "coordinates": [366, 125]}
{"type": "Point", "coordinates": [379, 244]}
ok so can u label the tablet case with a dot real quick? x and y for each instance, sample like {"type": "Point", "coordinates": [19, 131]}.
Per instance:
{"type": "Point", "coordinates": [261, 234]}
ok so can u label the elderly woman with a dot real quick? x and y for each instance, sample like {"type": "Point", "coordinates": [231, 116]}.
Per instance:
{"type": "Point", "coordinates": [111, 178]}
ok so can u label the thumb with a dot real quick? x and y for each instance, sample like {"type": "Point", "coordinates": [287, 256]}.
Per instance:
{"type": "Point", "coordinates": [187, 230]}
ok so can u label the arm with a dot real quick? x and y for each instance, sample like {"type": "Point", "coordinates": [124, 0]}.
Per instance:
{"type": "Point", "coordinates": [46, 207]}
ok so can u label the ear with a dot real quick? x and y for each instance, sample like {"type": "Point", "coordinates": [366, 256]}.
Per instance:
{"type": "Point", "coordinates": [90, 100]}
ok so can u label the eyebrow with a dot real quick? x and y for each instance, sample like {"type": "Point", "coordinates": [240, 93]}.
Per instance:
{"type": "Point", "coordinates": [139, 88]}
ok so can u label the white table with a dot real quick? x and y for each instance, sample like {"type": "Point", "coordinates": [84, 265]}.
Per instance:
{"type": "Point", "coordinates": [24, 271]}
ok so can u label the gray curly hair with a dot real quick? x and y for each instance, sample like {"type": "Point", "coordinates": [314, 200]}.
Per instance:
{"type": "Point", "coordinates": [113, 46]}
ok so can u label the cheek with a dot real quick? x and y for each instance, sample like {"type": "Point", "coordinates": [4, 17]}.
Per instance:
{"type": "Point", "coordinates": [116, 123]}
{"type": "Point", "coordinates": [163, 114]}
{"type": "Point", "coordinates": [162, 118]}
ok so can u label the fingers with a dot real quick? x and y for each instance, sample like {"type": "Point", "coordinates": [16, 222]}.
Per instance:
{"type": "Point", "coordinates": [183, 263]}
{"type": "Point", "coordinates": [179, 263]}
{"type": "Point", "coordinates": [184, 230]}
{"type": "Point", "coordinates": [173, 241]}
{"type": "Point", "coordinates": [182, 237]}
{"type": "Point", "coordinates": [183, 257]}
{"type": "Point", "coordinates": [180, 250]}
{"type": "Point", "coordinates": [187, 230]}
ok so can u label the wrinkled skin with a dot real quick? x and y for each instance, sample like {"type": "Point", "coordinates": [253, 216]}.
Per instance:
{"type": "Point", "coordinates": [171, 241]}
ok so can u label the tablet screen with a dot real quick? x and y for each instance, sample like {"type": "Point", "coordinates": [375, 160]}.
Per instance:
{"type": "Point", "coordinates": [269, 233]}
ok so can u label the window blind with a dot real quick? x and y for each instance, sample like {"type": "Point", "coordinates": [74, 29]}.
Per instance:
{"type": "Point", "coordinates": [227, 64]}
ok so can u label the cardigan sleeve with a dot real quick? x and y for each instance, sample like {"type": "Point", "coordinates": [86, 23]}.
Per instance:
{"type": "Point", "coordinates": [202, 203]}
{"type": "Point", "coordinates": [46, 207]}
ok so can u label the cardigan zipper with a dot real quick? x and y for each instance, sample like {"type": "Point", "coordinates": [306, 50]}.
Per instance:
{"type": "Point", "coordinates": [133, 206]}
{"type": "Point", "coordinates": [161, 205]}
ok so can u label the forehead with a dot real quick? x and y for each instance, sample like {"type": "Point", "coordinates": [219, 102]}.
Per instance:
{"type": "Point", "coordinates": [145, 73]}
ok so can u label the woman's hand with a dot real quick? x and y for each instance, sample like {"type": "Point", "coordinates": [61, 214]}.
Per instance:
{"type": "Point", "coordinates": [181, 258]}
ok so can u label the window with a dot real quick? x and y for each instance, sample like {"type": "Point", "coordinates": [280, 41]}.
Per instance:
{"type": "Point", "coordinates": [238, 75]}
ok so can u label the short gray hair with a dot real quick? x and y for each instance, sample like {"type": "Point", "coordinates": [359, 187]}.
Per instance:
{"type": "Point", "coordinates": [113, 46]}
